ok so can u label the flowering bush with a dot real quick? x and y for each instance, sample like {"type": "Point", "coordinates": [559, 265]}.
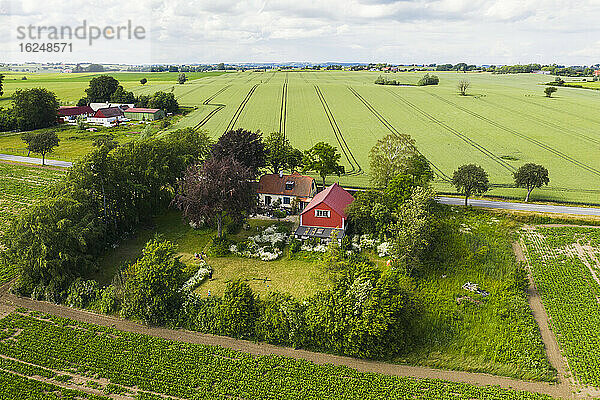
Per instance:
{"type": "Point", "coordinates": [267, 245]}
{"type": "Point", "coordinates": [199, 277]}
{"type": "Point", "coordinates": [384, 248]}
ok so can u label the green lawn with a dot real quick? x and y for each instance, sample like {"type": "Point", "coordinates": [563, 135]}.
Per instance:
{"type": "Point", "coordinates": [300, 278]}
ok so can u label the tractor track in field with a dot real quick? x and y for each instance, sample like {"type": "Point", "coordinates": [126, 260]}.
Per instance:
{"type": "Point", "coordinates": [538, 143]}
{"type": "Point", "coordinates": [356, 169]}
{"type": "Point", "coordinates": [558, 110]}
{"type": "Point", "coordinates": [394, 131]}
{"type": "Point", "coordinates": [240, 108]}
{"type": "Point", "coordinates": [218, 106]}
{"type": "Point", "coordinates": [548, 124]}
{"type": "Point", "coordinates": [456, 133]}
{"type": "Point", "coordinates": [283, 108]}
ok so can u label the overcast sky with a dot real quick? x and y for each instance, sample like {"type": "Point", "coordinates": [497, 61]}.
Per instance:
{"type": "Point", "coordinates": [406, 31]}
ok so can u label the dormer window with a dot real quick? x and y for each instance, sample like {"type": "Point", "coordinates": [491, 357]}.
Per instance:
{"type": "Point", "coordinates": [289, 185]}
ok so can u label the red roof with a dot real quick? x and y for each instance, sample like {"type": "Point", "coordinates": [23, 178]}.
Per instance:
{"type": "Point", "coordinates": [70, 111]}
{"type": "Point", "coordinates": [108, 112]}
{"type": "Point", "coordinates": [274, 184]}
{"type": "Point", "coordinates": [335, 197]}
{"type": "Point", "coordinates": [142, 110]}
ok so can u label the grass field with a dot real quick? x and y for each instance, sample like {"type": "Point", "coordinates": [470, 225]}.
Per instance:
{"type": "Point", "coordinates": [143, 367]}
{"type": "Point", "coordinates": [566, 269]}
{"type": "Point", "coordinates": [504, 122]}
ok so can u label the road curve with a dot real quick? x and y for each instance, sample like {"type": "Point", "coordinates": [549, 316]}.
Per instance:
{"type": "Point", "coordinates": [506, 205]}
{"type": "Point", "coordinates": [33, 160]}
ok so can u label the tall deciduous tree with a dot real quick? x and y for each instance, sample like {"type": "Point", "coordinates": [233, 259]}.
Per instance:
{"type": "Point", "coordinates": [324, 159]}
{"type": "Point", "coordinates": [152, 284]}
{"type": "Point", "coordinates": [294, 159]}
{"type": "Point", "coordinates": [101, 88]}
{"type": "Point", "coordinates": [34, 108]}
{"type": "Point", "coordinates": [122, 96]}
{"type": "Point", "coordinates": [181, 79]}
{"type": "Point", "coordinates": [419, 169]}
{"type": "Point", "coordinates": [1, 84]}
{"type": "Point", "coordinates": [280, 153]}
{"type": "Point", "coordinates": [218, 188]}
{"type": "Point", "coordinates": [41, 143]}
{"type": "Point", "coordinates": [470, 179]}
{"type": "Point", "coordinates": [164, 101]}
{"type": "Point", "coordinates": [244, 146]}
{"type": "Point", "coordinates": [531, 176]}
{"type": "Point", "coordinates": [549, 90]}
{"type": "Point", "coordinates": [143, 81]}
{"type": "Point", "coordinates": [390, 157]}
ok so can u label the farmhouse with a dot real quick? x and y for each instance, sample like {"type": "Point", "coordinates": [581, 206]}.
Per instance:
{"type": "Point", "coordinates": [325, 214]}
{"type": "Point", "coordinates": [144, 114]}
{"type": "Point", "coordinates": [107, 116]}
{"type": "Point", "coordinates": [69, 114]}
{"type": "Point", "coordinates": [288, 189]}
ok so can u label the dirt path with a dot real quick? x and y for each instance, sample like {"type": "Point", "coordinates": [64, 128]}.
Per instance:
{"type": "Point", "coordinates": [541, 318]}
{"type": "Point", "coordinates": [562, 390]}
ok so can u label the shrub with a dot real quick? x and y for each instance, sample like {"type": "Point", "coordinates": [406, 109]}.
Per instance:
{"type": "Point", "coordinates": [81, 293]}
{"type": "Point", "coordinates": [239, 310]}
{"type": "Point", "coordinates": [295, 245]}
{"type": "Point", "coordinates": [219, 247]}
{"type": "Point", "coordinates": [109, 300]}
{"type": "Point", "coordinates": [427, 80]}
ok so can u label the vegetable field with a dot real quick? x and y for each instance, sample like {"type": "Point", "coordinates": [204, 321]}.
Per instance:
{"type": "Point", "coordinates": [566, 270]}
{"type": "Point", "coordinates": [142, 367]}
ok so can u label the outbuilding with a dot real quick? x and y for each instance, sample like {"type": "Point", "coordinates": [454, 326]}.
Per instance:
{"type": "Point", "coordinates": [144, 114]}
{"type": "Point", "coordinates": [70, 114]}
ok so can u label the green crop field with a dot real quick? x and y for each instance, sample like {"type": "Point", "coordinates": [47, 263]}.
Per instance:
{"type": "Point", "coordinates": [134, 365]}
{"type": "Point", "coordinates": [503, 122]}
{"type": "Point", "coordinates": [565, 267]}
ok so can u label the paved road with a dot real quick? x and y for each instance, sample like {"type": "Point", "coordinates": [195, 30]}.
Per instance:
{"type": "Point", "coordinates": [33, 160]}
{"type": "Point", "coordinates": [505, 205]}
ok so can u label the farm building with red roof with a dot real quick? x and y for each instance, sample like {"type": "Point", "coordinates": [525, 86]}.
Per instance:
{"type": "Point", "coordinates": [325, 214]}
{"type": "Point", "coordinates": [287, 189]}
{"type": "Point", "coordinates": [70, 114]}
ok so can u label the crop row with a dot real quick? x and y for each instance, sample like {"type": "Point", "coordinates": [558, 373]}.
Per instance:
{"type": "Point", "coordinates": [196, 371]}
{"type": "Point", "coordinates": [570, 295]}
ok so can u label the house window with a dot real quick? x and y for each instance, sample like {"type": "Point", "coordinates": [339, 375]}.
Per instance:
{"type": "Point", "coordinates": [286, 200]}
{"type": "Point", "coordinates": [267, 200]}
{"type": "Point", "coordinates": [289, 185]}
{"type": "Point", "coordinates": [322, 213]}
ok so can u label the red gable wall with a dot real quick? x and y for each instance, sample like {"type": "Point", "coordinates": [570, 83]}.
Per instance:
{"type": "Point", "coordinates": [310, 219]}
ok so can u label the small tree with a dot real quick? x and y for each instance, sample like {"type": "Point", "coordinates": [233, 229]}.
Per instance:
{"type": "Point", "coordinates": [549, 90]}
{"type": "Point", "coordinates": [143, 81]}
{"type": "Point", "coordinates": [531, 176]}
{"type": "Point", "coordinates": [239, 310]}
{"type": "Point", "coordinates": [181, 79]}
{"type": "Point", "coordinates": [81, 122]}
{"type": "Point", "coordinates": [470, 179]}
{"type": "Point", "coordinates": [324, 159]}
{"type": "Point", "coordinates": [390, 157]}
{"type": "Point", "coordinates": [1, 85]}
{"type": "Point", "coordinates": [41, 143]}
{"type": "Point", "coordinates": [418, 167]}
{"type": "Point", "coordinates": [463, 86]}
{"type": "Point", "coordinates": [278, 148]}
{"type": "Point", "coordinates": [152, 284]}
{"type": "Point", "coordinates": [218, 188]}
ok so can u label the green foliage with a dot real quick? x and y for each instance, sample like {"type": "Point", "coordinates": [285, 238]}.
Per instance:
{"type": "Point", "coordinates": [34, 108]}
{"type": "Point", "coordinates": [244, 146]}
{"type": "Point", "coordinates": [470, 179]}
{"type": "Point", "coordinates": [151, 291]}
{"type": "Point", "coordinates": [280, 154]}
{"type": "Point", "coordinates": [428, 80]}
{"type": "Point", "coordinates": [463, 86]}
{"type": "Point", "coordinates": [384, 81]}
{"type": "Point", "coordinates": [42, 143]}
{"type": "Point", "coordinates": [120, 95]}
{"type": "Point", "coordinates": [398, 190]}
{"type": "Point", "coordinates": [143, 81]}
{"type": "Point", "coordinates": [81, 293]}
{"type": "Point", "coordinates": [101, 88]}
{"type": "Point", "coordinates": [181, 78]}
{"type": "Point", "coordinates": [393, 155]}
{"type": "Point", "coordinates": [219, 246]}
{"type": "Point", "coordinates": [239, 310]}
{"type": "Point", "coordinates": [324, 159]}
{"type": "Point", "coordinates": [164, 101]}
{"type": "Point", "coordinates": [549, 90]}
{"type": "Point", "coordinates": [531, 176]}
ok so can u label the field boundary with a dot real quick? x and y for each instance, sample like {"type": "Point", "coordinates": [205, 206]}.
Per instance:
{"type": "Point", "coordinates": [562, 390]}
{"type": "Point", "coordinates": [240, 108]}
{"type": "Point", "coordinates": [283, 109]}
{"type": "Point", "coordinates": [218, 106]}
